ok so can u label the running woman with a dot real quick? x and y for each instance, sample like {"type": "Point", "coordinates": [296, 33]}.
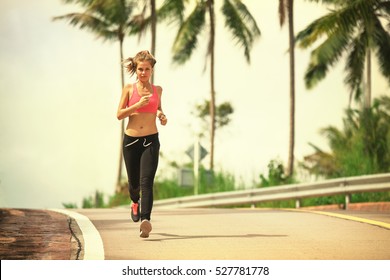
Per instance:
{"type": "Point", "coordinates": [141, 104]}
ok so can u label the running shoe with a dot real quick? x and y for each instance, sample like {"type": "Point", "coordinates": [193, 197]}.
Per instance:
{"type": "Point", "coordinates": [135, 212]}
{"type": "Point", "coordinates": [145, 228]}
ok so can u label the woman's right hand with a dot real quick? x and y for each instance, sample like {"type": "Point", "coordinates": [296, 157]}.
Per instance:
{"type": "Point", "coordinates": [144, 100]}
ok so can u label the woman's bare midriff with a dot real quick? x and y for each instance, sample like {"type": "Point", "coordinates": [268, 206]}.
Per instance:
{"type": "Point", "coordinates": [141, 124]}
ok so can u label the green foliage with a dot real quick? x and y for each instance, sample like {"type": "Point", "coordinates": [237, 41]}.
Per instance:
{"type": "Point", "coordinates": [213, 182]}
{"type": "Point", "coordinates": [370, 197]}
{"type": "Point", "coordinates": [323, 200]}
{"type": "Point", "coordinates": [210, 182]}
{"type": "Point", "coordinates": [326, 200]}
{"type": "Point", "coordinates": [223, 113]}
{"type": "Point", "coordinates": [340, 199]}
{"type": "Point", "coordinates": [95, 201]}
{"type": "Point", "coordinates": [361, 147]}
{"type": "Point", "coordinates": [221, 182]}
{"type": "Point", "coordinates": [118, 199]}
{"type": "Point", "coordinates": [69, 205]}
{"type": "Point", "coordinates": [276, 204]}
{"type": "Point", "coordinates": [169, 188]}
{"type": "Point", "coordinates": [276, 175]}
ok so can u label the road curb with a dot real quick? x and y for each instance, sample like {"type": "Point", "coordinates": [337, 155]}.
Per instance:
{"type": "Point", "coordinates": [93, 244]}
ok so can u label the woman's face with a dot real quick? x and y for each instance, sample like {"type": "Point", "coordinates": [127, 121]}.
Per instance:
{"type": "Point", "coordinates": [144, 71]}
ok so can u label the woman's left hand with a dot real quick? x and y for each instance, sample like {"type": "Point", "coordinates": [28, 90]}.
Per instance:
{"type": "Point", "coordinates": [163, 119]}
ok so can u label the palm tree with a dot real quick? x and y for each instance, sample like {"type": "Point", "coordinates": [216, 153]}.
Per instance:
{"type": "Point", "coordinates": [238, 20]}
{"type": "Point", "coordinates": [355, 28]}
{"type": "Point", "coordinates": [288, 6]}
{"type": "Point", "coordinates": [109, 20]}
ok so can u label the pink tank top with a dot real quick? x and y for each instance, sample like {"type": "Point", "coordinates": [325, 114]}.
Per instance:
{"type": "Point", "coordinates": [151, 107]}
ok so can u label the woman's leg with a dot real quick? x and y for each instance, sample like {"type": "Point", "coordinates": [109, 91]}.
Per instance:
{"type": "Point", "coordinates": [149, 163]}
{"type": "Point", "coordinates": [132, 156]}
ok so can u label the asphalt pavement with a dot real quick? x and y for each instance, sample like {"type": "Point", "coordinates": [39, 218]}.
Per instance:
{"type": "Point", "coordinates": [203, 234]}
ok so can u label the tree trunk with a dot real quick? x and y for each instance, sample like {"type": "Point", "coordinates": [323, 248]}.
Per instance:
{"type": "Point", "coordinates": [367, 94]}
{"type": "Point", "coordinates": [120, 166]}
{"type": "Point", "coordinates": [290, 168]}
{"type": "Point", "coordinates": [153, 29]}
{"type": "Point", "coordinates": [212, 61]}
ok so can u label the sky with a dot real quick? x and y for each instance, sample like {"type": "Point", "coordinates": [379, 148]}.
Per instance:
{"type": "Point", "coordinates": [60, 88]}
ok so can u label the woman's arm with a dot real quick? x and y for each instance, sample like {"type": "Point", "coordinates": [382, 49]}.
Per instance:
{"type": "Point", "coordinates": [160, 113]}
{"type": "Point", "coordinates": [123, 110]}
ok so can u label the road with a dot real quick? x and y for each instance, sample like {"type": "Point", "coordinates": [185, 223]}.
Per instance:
{"type": "Point", "coordinates": [243, 234]}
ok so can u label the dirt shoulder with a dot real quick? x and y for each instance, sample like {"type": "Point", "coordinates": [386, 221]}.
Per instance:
{"type": "Point", "coordinates": [31, 234]}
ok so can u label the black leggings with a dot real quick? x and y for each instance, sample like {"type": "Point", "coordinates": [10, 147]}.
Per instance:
{"type": "Point", "coordinates": [141, 159]}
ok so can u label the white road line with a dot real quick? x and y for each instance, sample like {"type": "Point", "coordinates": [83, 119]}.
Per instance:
{"type": "Point", "coordinates": [93, 244]}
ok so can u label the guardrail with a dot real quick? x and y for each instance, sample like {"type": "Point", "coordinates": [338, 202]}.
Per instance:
{"type": "Point", "coordinates": [346, 186]}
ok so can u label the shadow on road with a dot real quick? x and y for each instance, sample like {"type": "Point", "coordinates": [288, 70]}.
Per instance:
{"type": "Point", "coordinates": [169, 237]}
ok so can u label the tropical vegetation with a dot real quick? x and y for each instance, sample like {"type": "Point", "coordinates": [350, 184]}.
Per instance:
{"type": "Point", "coordinates": [362, 146]}
{"type": "Point", "coordinates": [356, 29]}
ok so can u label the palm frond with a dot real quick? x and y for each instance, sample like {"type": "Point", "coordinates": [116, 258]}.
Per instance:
{"type": "Point", "coordinates": [86, 21]}
{"type": "Point", "coordinates": [139, 24]}
{"type": "Point", "coordinates": [351, 122]}
{"type": "Point", "coordinates": [314, 74]}
{"type": "Point", "coordinates": [383, 10]}
{"type": "Point", "coordinates": [172, 10]}
{"type": "Point", "coordinates": [112, 11]}
{"type": "Point", "coordinates": [241, 23]}
{"type": "Point", "coordinates": [314, 31]}
{"type": "Point", "coordinates": [342, 21]}
{"type": "Point", "coordinates": [320, 162]}
{"type": "Point", "coordinates": [335, 137]}
{"type": "Point", "coordinates": [355, 61]}
{"type": "Point", "coordinates": [247, 18]}
{"type": "Point", "coordinates": [106, 18]}
{"type": "Point", "coordinates": [282, 12]}
{"type": "Point", "coordinates": [385, 103]}
{"type": "Point", "coordinates": [324, 56]}
{"type": "Point", "coordinates": [381, 39]}
{"type": "Point", "coordinates": [187, 37]}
